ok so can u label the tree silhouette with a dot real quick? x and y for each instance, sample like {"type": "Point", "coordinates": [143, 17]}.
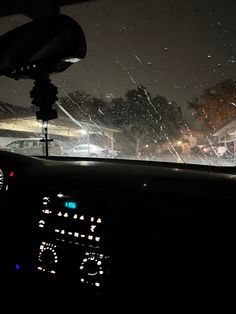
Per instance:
{"type": "Point", "coordinates": [141, 117]}
{"type": "Point", "coordinates": [216, 106]}
{"type": "Point", "coordinates": [145, 118]}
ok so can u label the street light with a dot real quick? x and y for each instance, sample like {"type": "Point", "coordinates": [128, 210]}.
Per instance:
{"type": "Point", "coordinates": [83, 132]}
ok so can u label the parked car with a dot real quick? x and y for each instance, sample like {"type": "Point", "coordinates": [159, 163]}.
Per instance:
{"type": "Point", "coordinates": [33, 146]}
{"type": "Point", "coordinates": [88, 150]}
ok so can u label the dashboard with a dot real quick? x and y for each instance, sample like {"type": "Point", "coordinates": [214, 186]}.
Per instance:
{"type": "Point", "coordinates": [96, 226]}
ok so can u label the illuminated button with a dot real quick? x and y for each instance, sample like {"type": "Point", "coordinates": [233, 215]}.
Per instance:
{"type": "Point", "coordinates": [82, 235]}
{"type": "Point", "coordinates": [62, 231]}
{"type": "Point", "coordinates": [76, 234]}
{"type": "Point", "coordinates": [53, 272]}
{"type": "Point", "coordinates": [75, 216]}
{"type": "Point", "coordinates": [66, 215]}
{"type": "Point", "coordinates": [99, 263]}
{"type": "Point", "coordinates": [82, 279]}
{"type": "Point", "coordinates": [97, 238]}
{"type": "Point", "coordinates": [100, 272]}
{"type": "Point", "coordinates": [81, 267]}
{"type": "Point", "coordinates": [39, 268]}
{"type": "Point", "coordinates": [45, 202]}
{"type": "Point", "coordinates": [47, 211]}
{"type": "Point", "coordinates": [99, 220]}
{"type": "Point", "coordinates": [60, 195]}
{"type": "Point", "coordinates": [41, 223]}
{"type": "Point", "coordinates": [97, 284]}
{"type": "Point", "coordinates": [81, 217]}
{"type": "Point", "coordinates": [92, 228]}
{"type": "Point", "coordinates": [90, 237]}
{"type": "Point", "coordinates": [59, 214]}
{"type": "Point", "coordinates": [41, 247]}
{"type": "Point", "coordinates": [92, 219]}
{"type": "Point", "coordinates": [57, 230]}
{"type": "Point", "coordinates": [70, 233]}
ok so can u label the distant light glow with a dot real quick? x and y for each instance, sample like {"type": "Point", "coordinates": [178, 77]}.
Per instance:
{"type": "Point", "coordinates": [11, 174]}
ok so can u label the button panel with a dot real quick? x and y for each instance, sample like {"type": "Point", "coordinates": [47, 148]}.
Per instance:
{"type": "Point", "coordinates": [71, 240]}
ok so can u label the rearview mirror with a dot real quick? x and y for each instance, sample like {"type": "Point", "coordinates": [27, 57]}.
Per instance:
{"type": "Point", "coordinates": [46, 45]}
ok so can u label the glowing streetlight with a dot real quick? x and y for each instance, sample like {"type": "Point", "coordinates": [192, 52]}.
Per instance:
{"type": "Point", "coordinates": [83, 132]}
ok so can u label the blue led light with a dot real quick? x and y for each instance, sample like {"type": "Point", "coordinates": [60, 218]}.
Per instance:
{"type": "Point", "coordinates": [17, 267]}
{"type": "Point", "coordinates": [70, 204]}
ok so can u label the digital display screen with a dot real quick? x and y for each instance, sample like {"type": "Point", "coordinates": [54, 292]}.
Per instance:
{"type": "Point", "coordinates": [70, 204]}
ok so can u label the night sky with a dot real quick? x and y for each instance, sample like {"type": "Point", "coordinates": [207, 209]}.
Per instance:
{"type": "Point", "coordinates": [176, 48]}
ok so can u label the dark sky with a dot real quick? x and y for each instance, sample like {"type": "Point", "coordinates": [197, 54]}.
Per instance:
{"type": "Point", "coordinates": [175, 48]}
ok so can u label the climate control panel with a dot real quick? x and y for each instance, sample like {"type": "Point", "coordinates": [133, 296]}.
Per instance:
{"type": "Point", "coordinates": [71, 239]}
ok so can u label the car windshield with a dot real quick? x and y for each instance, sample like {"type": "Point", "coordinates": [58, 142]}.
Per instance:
{"type": "Point", "coordinates": [157, 84]}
